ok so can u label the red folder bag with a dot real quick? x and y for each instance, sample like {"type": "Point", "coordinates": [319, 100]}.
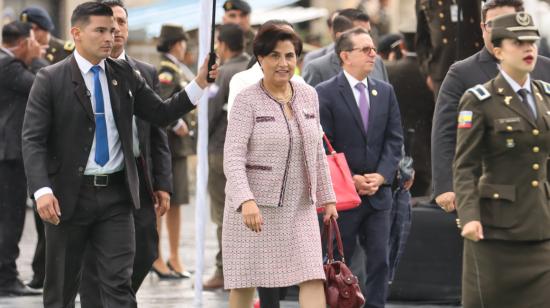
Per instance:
{"type": "Point", "coordinates": [342, 182]}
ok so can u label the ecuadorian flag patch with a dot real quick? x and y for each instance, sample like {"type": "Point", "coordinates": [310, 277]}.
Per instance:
{"type": "Point", "coordinates": [465, 119]}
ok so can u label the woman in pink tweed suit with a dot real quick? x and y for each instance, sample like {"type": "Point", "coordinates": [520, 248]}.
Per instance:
{"type": "Point", "coordinates": [277, 174]}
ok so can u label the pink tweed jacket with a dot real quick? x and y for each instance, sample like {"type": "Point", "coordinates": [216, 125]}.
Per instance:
{"type": "Point", "coordinates": [257, 148]}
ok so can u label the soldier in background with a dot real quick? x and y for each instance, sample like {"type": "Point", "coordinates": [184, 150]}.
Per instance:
{"type": "Point", "coordinates": [447, 31]}
{"type": "Point", "coordinates": [42, 26]}
{"type": "Point", "coordinates": [238, 12]}
{"type": "Point", "coordinates": [56, 50]}
{"type": "Point", "coordinates": [174, 76]}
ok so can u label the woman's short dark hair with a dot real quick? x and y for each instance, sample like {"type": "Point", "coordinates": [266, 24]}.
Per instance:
{"type": "Point", "coordinates": [269, 35]}
{"type": "Point", "coordinates": [165, 46]}
{"type": "Point", "coordinates": [82, 13]}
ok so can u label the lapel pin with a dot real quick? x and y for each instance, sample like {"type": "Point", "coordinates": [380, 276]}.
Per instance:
{"type": "Point", "coordinates": [88, 93]}
{"type": "Point", "coordinates": [138, 72]}
{"type": "Point", "coordinates": [114, 82]}
{"type": "Point", "coordinates": [374, 92]}
{"type": "Point", "coordinates": [507, 100]}
{"type": "Point", "coordinates": [500, 90]}
{"type": "Point", "coordinates": [510, 143]}
{"type": "Point", "coordinates": [130, 93]}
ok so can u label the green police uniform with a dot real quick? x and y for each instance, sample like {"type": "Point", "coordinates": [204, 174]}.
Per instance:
{"type": "Point", "coordinates": [171, 80]}
{"type": "Point", "coordinates": [58, 50]}
{"type": "Point", "coordinates": [500, 179]}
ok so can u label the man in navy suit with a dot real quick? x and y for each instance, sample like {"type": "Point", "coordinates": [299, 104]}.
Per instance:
{"type": "Point", "coordinates": [360, 116]}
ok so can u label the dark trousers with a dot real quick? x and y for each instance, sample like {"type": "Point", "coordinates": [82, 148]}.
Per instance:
{"type": "Point", "coordinates": [271, 297]}
{"type": "Point", "coordinates": [13, 196]}
{"type": "Point", "coordinates": [102, 222]}
{"type": "Point", "coordinates": [147, 239]}
{"type": "Point", "coordinates": [373, 229]}
{"type": "Point", "coordinates": [39, 259]}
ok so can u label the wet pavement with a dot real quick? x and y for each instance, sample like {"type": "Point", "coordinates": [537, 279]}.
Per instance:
{"type": "Point", "coordinates": [153, 293]}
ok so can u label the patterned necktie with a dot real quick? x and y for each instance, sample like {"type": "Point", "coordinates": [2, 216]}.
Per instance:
{"type": "Point", "coordinates": [523, 94]}
{"type": "Point", "coordinates": [363, 105]}
{"type": "Point", "coordinates": [101, 142]}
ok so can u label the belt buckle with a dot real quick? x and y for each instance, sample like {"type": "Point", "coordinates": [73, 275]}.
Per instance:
{"type": "Point", "coordinates": [101, 180]}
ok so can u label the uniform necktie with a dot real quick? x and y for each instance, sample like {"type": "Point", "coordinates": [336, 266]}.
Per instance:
{"type": "Point", "coordinates": [101, 142]}
{"type": "Point", "coordinates": [363, 105]}
{"type": "Point", "coordinates": [523, 94]}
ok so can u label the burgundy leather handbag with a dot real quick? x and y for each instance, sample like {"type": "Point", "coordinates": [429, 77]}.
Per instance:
{"type": "Point", "coordinates": [342, 182]}
{"type": "Point", "coordinates": [341, 286]}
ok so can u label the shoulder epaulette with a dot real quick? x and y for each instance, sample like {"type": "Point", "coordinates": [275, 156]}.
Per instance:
{"type": "Point", "coordinates": [171, 65]}
{"type": "Point", "coordinates": [546, 87]}
{"type": "Point", "coordinates": [480, 92]}
{"type": "Point", "coordinates": [69, 46]}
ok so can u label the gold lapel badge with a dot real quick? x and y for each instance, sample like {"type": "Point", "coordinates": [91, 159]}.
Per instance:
{"type": "Point", "coordinates": [507, 100]}
{"type": "Point", "coordinates": [374, 92]}
{"type": "Point", "coordinates": [510, 143]}
{"type": "Point", "coordinates": [500, 90]}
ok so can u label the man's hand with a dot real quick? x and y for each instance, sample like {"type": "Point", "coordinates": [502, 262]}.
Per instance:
{"type": "Point", "coordinates": [34, 50]}
{"type": "Point", "coordinates": [447, 201]}
{"type": "Point", "coordinates": [47, 207]}
{"type": "Point", "coordinates": [374, 181]}
{"type": "Point", "coordinates": [330, 211]}
{"type": "Point", "coordinates": [409, 183]}
{"type": "Point", "coordinates": [473, 231]}
{"type": "Point", "coordinates": [430, 83]}
{"type": "Point", "coordinates": [360, 184]}
{"type": "Point", "coordinates": [252, 217]}
{"type": "Point", "coordinates": [203, 71]}
{"type": "Point", "coordinates": [162, 202]}
{"type": "Point", "coordinates": [182, 130]}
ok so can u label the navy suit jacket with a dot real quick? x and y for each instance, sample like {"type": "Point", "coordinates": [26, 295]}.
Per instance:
{"type": "Point", "coordinates": [378, 150]}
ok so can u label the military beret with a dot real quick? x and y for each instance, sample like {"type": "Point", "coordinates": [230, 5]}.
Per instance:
{"type": "Point", "coordinates": [39, 16]}
{"type": "Point", "coordinates": [239, 5]}
{"type": "Point", "coordinates": [519, 26]}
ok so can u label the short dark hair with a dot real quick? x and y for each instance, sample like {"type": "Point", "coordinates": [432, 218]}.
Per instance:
{"type": "Point", "coordinates": [408, 40]}
{"type": "Point", "coordinates": [330, 19]}
{"type": "Point", "coordinates": [277, 22]}
{"type": "Point", "coordinates": [492, 4]}
{"type": "Point", "coordinates": [268, 37]}
{"type": "Point", "coordinates": [165, 46]}
{"type": "Point", "coordinates": [113, 3]}
{"type": "Point", "coordinates": [355, 15]}
{"type": "Point", "coordinates": [233, 36]}
{"type": "Point", "coordinates": [14, 31]}
{"type": "Point", "coordinates": [82, 12]}
{"type": "Point", "coordinates": [344, 43]}
{"type": "Point", "coordinates": [498, 42]}
{"type": "Point", "coordinates": [341, 24]}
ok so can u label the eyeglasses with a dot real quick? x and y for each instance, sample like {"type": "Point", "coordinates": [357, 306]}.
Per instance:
{"type": "Point", "coordinates": [488, 25]}
{"type": "Point", "coordinates": [366, 50]}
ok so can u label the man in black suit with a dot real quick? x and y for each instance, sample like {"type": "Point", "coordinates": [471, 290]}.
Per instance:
{"type": "Point", "coordinates": [360, 116]}
{"type": "Point", "coordinates": [78, 145]}
{"type": "Point", "coordinates": [463, 75]}
{"type": "Point", "coordinates": [416, 103]}
{"type": "Point", "coordinates": [154, 163]}
{"type": "Point", "coordinates": [20, 58]}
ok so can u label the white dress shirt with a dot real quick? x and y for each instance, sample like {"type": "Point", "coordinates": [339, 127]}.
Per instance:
{"type": "Point", "coordinates": [353, 82]}
{"type": "Point", "coordinates": [116, 156]}
{"type": "Point", "coordinates": [527, 86]}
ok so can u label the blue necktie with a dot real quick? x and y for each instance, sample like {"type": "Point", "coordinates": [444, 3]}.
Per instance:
{"type": "Point", "coordinates": [363, 105]}
{"type": "Point", "coordinates": [101, 142]}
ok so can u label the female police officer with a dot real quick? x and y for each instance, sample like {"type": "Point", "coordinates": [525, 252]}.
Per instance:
{"type": "Point", "coordinates": [500, 176]}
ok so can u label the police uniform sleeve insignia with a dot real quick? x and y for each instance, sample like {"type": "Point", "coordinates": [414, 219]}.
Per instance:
{"type": "Point", "coordinates": [465, 119]}
{"type": "Point", "coordinates": [69, 46]}
{"type": "Point", "coordinates": [480, 92]}
{"type": "Point", "coordinates": [166, 78]}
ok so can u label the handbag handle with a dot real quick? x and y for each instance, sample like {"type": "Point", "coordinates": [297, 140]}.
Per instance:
{"type": "Point", "coordinates": [328, 230]}
{"type": "Point", "coordinates": [330, 148]}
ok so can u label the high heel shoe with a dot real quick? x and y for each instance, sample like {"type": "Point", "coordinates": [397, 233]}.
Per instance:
{"type": "Point", "coordinates": [180, 275]}
{"type": "Point", "coordinates": [164, 276]}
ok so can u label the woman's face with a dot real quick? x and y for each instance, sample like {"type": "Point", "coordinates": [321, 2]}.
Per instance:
{"type": "Point", "coordinates": [517, 56]}
{"type": "Point", "coordinates": [279, 64]}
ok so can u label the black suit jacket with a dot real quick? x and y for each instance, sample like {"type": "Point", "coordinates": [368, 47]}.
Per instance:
{"type": "Point", "coordinates": [15, 84]}
{"type": "Point", "coordinates": [59, 125]}
{"type": "Point", "coordinates": [477, 69]}
{"type": "Point", "coordinates": [153, 141]}
{"type": "Point", "coordinates": [378, 150]}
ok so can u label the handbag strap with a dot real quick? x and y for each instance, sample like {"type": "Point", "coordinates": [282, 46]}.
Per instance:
{"type": "Point", "coordinates": [330, 148]}
{"type": "Point", "coordinates": [328, 230]}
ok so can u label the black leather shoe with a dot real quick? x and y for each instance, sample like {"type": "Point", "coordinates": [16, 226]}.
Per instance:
{"type": "Point", "coordinates": [164, 276]}
{"type": "Point", "coordinates": [35, 283]}
{"type": "Point", "coordinates": [17, 288]}
{"type": "Point", "coordinates": [181, 275]}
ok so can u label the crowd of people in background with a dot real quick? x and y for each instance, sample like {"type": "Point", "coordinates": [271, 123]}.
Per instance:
{"type": "Point", "coordinates": [100, 141]}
